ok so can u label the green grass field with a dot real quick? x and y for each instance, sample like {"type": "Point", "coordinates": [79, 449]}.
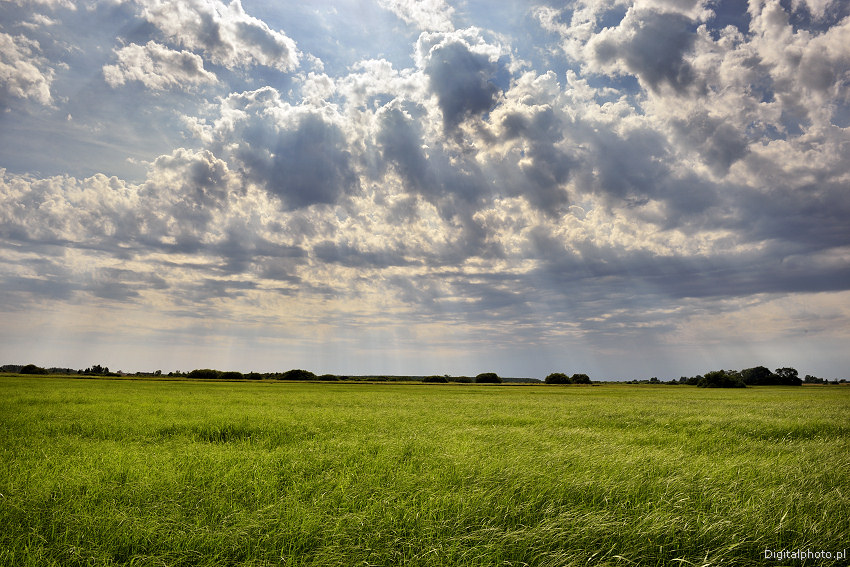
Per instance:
{"type": "Point", "coordinates": [132, 472]}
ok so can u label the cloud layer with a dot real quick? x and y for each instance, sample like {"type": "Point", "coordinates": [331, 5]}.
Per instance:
{"type": "Point", "coordinates": [667, 177]}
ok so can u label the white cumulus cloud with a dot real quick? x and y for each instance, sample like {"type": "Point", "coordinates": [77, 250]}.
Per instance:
{"type": "Point", "coordinates": [157, 67]}
{"type": "Point", "coordinates": [427, 15]}
{"type": "Point", "coordinates": [226, 34]}
{"type": "Point", "coordinates": [24, 74]}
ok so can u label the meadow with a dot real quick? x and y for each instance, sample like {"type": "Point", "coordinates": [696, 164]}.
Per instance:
{"type": "Point", "coordinates": [145, 472]}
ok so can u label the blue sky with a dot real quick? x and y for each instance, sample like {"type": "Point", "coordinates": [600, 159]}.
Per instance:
{"type": "Point", "coordinates": [622, 188]}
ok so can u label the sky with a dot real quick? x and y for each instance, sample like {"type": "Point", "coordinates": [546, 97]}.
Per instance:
{"type": "Point", "coordinates": [622, 188]}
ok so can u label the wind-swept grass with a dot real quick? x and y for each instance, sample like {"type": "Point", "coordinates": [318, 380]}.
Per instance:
{"type": "Point", "coordinates": [182, 473]}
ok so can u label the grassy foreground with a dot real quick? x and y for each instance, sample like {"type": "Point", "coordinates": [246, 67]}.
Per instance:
{"type": "Point", "coordinates": [109, 472]}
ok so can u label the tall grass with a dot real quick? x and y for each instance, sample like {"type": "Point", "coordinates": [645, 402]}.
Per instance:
{"type": "Point", "coordinates": [181, 473]}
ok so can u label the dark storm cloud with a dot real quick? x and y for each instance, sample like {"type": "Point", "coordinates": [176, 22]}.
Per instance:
{"type": "Point", "coordinates": [463, 82]}
{"type": "Point", "coordinates": [651, 45]}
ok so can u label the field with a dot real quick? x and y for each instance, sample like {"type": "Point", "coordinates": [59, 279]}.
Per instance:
{"type": "Point", "coordinates": [133, 472]}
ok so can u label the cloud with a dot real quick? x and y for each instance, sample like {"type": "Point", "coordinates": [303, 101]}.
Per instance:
{"type": "Point", "coordinates": [53, 4]}
{"type": "Point", "coordinates": [649, 44]}
{"type": "Point", "coordinates": [718, 142]}
{"type": "Point", "coordinates": [185, 190]}
{"type": "Point", "coordinates": [805, 67]}
{"type": "Point", "coordinates": [427, 15]}
{"type": "Point", "coordinates": [157, 67]}
{"type": "Point", "coordinates": [354, 257]}
{"type": "Point", "coordinates": [535, 155]}
{"type": "Point", "coordinates": [224, 33]}
{"type": "Point", "coordinates": [24, 74]}
{"type": "Point", "coordinates": [458, 189]}
{"type": "Point", "coordinates": [462, 71]}
{"type": "Point", "coordinates": [296, 153]}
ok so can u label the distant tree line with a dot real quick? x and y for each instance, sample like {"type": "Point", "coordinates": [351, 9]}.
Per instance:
{"type": "Point", "coordinates": [561, 378]}
{"type": "Point", "coordinates": [94, 370]}
{"type": "Point", "coordinates": [305, 375]}
{"type": "Point", "coordinates": [33, 369]}
{"type": "Point", "coordinates": [756, 376]}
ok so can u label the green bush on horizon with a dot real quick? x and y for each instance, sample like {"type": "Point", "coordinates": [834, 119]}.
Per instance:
{"type": "Point", "coordinates": [488, 378]}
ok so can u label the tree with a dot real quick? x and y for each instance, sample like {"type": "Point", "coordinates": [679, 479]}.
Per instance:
{"type": "Point", "coordinates": [722, 379]}
{"type": "Point", "coordinates": [580, 379]}
{"type": "Point", "coordinates": [33, 369]}
{"type": "Point", "coordinates": [757, 376]}
{"type": "Point", "coordinates": [557, 378]}
{"type": "Point", "coordinates": [205, 374]}
{"type": "Point", "coordinates": [297, 374]}
{"type": "Point", "coordinates": [488, 378]}
{"type": "Point", "coordinates": [435, 380]}
{"type": "Point", "coordinates": [788, 377]}
{"type": "Point", "coordinates": [232, 375]}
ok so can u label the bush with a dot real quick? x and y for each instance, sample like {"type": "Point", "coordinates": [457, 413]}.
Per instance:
{"type": "Point", "coordinates": [204, 374]}
{"type": "Point", "coordinates": [557, 378]}
{"type": "Point", "coordinates": [488, 378]}
{"type": "Point", "coordinates": [328, 378]}
{"type": "Point", "coordinates": [33, 369]}
{"type": "Point", "coordinates": [232, 375]}
{"type": "Point", "coordinates": [297, 374]}
{"type": "Point", "coordinates": [787, 377]}
{"type": "Point", "coordinates": [721, 379]}
{"type": "Point", "coordinates": [757, 376]}
{"type": "Point", "coordinates": [580, 379]}
{"type": "Point", "coordinates": [435, 380]}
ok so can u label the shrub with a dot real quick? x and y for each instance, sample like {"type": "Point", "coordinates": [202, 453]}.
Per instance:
{"type": "Point", "coordinates": [580, 379]}
{"type": "Point", "coordinates": [204, 374]}
{"type": "Point", "coordinates": [722, 379]}
{"type": "Point", "coordinates": [787, 377]}
{"type": "Point", "coordinates": [328, 378]}
{"type": "Point", "coordinates": [757, 376]}
{"type": "Point", "coordinates": [557, 378]}
{"type": "Point", "coordinates": [461, 379]}
{"type": "Point", "coordinates": [435, 380]}
{"type": "Point", "coordinates": [297, 374]}
{"type": "Point", "coordinates": [488, 378]}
